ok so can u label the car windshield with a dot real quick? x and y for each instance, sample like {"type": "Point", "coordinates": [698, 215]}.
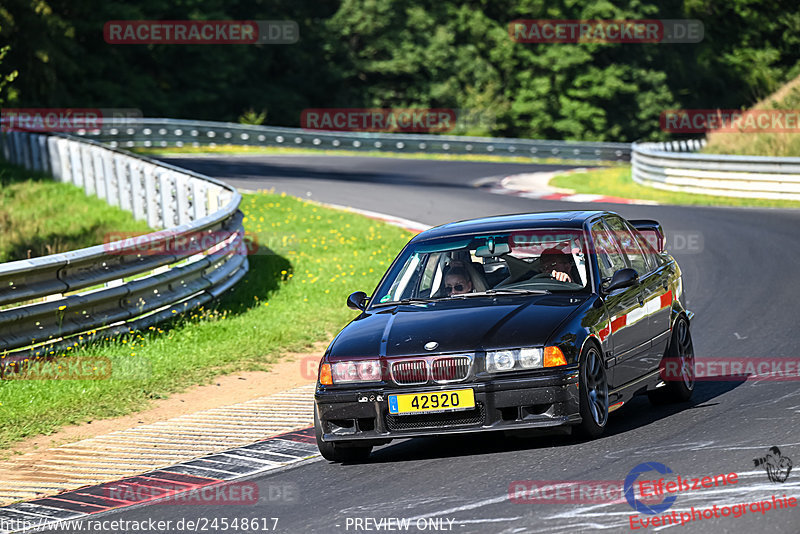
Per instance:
{"type": "Point", "coordinates": [519, 262]}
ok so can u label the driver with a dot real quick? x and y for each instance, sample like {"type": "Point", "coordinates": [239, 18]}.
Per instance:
{"type": "Point", "coordinates": [457, 281]}
{"type": "Point", "coordinates": [557, 264]}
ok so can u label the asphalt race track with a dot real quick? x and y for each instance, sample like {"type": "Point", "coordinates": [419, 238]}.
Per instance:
{"type": "Point", "coordinates": [739, 271]}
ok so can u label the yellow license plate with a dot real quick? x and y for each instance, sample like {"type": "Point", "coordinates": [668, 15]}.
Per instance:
{"type": "Point", "coordinates": [432, 401]}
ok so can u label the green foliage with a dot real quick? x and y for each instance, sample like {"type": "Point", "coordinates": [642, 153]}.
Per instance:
{"type": "Point", "coordinates": [5, 78]}
{"type": "Point", "coordinates": [251, 116]}
{"type": "Point", "coordinates": [408, 53]}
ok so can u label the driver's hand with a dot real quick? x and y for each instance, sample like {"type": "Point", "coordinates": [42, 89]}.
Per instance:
{"type": "Point", "coordinates": [561, 277]}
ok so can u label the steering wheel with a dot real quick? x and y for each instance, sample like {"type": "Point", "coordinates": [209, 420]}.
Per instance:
{"type": "Point", "coordinates": [543, 275]}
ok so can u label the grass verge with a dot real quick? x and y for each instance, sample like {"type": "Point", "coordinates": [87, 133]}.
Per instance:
{"type": "Point", "coordinates": [617, 182]}
{"type": "Point", "coordinates": [310, 258]}
{"type": "Point", "coordinates": [39, 216]}
{"type": "Point", "coordinates": [258, 150]}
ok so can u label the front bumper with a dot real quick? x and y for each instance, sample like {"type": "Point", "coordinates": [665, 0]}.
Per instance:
{"type": "Point", "coordinates": [501, 404]}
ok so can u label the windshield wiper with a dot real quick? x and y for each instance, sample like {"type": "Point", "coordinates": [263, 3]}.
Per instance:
{"type": "Point", "coordinates": [403, 301]}
{"type": "Point", "coordinates": [504, 291]}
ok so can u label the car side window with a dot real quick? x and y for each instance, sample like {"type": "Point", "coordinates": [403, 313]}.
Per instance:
{"type": "Point", "coordinates": [609, 259]}
{"type": "Point", "coordinates": [651, 256]}
{"type": "Point", "coordinates": [629, 245]}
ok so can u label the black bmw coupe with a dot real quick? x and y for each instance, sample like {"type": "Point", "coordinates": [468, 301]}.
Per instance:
{"type": "Point", "coordinates": [504, 323]}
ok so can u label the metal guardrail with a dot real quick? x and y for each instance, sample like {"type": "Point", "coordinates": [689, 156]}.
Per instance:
{"type": "Point", "coordinates": [672, 166]}
{"type": "Point", "coordinates": [51, 301]}
{"type": "Point", "coordinates": [129, 133]}
{"type": "Point", "coordinates": [118, 287]}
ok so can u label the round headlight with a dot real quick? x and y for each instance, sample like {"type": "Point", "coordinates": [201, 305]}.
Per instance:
{"type": "Point", "coordinates": [503, 360]}
{"type": "Point", "coordinates": [369, 370]}
{"type": "Point", "coordinates": [345, 372]}
{"type": "Point", "coordinates": [530, 358]}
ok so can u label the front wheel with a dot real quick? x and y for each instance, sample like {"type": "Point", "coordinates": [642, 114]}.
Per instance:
{"type": "Point", "coordinates": [593, 386]}
{"type": "Point", "coordinates": [338, 452]}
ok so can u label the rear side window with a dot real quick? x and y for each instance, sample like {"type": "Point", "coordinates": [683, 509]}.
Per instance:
{"type": "Point", "coordinates": [651, 256]}
{"type": "Point", "coordinates": [629, 245]}
{"type": "Point", "coordinates": [609, 258]}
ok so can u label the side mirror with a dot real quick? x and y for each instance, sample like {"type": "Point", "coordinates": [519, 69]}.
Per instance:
{"type": "Point", "coordinates": [621, 278]}
{"type": "Point", "coordinates": [357, 301]}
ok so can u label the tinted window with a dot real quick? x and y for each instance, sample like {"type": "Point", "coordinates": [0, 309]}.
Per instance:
{"type": "Point", "coordinates": [629, 245]}
{"type": "Point", "coordinates": [541, 259]}
{"type": "Point", "coordinates": [651, 256]}
{"type": "Point", "coordinates": [609, 259]}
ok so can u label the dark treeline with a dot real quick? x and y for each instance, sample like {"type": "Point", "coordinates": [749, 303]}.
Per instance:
{"type": "Point", "coordinates": [405, 53]}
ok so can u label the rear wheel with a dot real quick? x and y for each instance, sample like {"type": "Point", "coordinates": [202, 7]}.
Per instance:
{"type": "Point", "coordinates": [593, 387]}
{"type": "Point", "coordinates": [679, 366]}
{"type": "Point", "coordinates": [339, 451]}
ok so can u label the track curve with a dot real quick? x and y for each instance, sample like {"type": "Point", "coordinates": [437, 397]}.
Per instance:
{"type": "Point", "coordinates": [739, 267]}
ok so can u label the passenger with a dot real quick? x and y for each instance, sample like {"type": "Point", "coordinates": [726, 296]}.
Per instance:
{"type": "Point", "coordinates": [557, 264]}
{"type": "Point", "coordinates": [457, 281]}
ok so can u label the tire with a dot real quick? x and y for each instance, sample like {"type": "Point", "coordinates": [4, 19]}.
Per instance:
{"type": "Point", "coordinates": [680, 350]}
{"type": "Point", "coordinates": [339, 451]}
{"type": "Point", "coordinates": [593, 387]}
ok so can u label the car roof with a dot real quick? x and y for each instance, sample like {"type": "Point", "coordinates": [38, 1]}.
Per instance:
{"type": "Point", "coordinates": [502, 223]}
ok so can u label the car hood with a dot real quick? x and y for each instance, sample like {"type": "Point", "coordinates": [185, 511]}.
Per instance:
{"type": "Point", "coordinates": [456, 325]}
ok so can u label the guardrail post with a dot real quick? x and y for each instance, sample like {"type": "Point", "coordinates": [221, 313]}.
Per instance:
{"type": "Point", "coordinates": [223, 198]}
{"type": "Point", "coordinates": [16, 138]}
{"type": "Point", "coordinates": [75, 164]}
{"type": "Point", "coordinates": [110, 177]}
{"type": "Point", "coordinates": [199, 198]}
{"type": "Point", "coordinates": [213, 197]}
{"type": "Point", "coordinates": [53, 157]}
{"type": "Point", "coordinates": [63, 163]}
{"type": "Point", "coordinates": [124, 188]}
{"type": "Point", "coordinates": [95, 153]}
{"type": "Point", "coordinates": [25, 150]}
{"type": "Point", "coordinates": [154, 214]}
{"type": "Point", "coordinates": [167, 201]}
{"type": "Point", "coordinates": [183, 192]}
{"type": "Point", "coordinates": [44, 150]}
{"type": "Point", "coordinates": [137, 190]}
{"type": "Point", "coordinates": [88, 170]}
{"type": "Point", "coordinates": [36, 154]}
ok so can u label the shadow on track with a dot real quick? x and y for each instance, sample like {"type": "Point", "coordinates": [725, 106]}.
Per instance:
{"type": "Point", "coordinates": [637, 413]}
